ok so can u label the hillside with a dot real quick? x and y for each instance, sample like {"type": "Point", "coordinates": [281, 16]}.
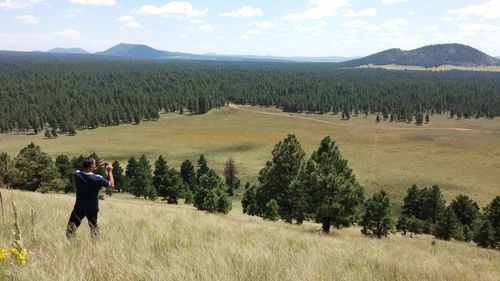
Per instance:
{"type": "Point", "coordinates": [428, 56]}
{"type": "Point", "coordinates": [138, 51]}
{"type": "Point", "coordinates": [68, 51]}
{"type": "Point", "coordinates": [142, 240]}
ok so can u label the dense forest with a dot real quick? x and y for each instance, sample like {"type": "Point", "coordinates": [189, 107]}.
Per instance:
{"type": "Point", "coordinates": [68, 92]}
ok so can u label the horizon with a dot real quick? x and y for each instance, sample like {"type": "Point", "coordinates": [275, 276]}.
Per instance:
{"type": "Point", "coordinates": [314, 28]}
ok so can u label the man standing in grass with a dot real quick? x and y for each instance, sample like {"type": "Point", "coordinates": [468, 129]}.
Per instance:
{"type": "Point", "coordinates": [88, 185]}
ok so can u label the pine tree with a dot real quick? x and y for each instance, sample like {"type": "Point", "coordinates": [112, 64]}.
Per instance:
{"type": "Point", "coordinates": [188, 175]}
{"type": "Point", "coordinates": [131, 174]}
{"type": "Point", "coordinates": [144, 179]}
{"type": "Point", "coordinates": [448, 226]}
{"type": "Point", "coordinates": [333, 193]}
{"type": "Point", "coordinates": [492, 214]}
{"type": "Point", "coordinates": [248, 202]}
{"type": "Point", "coordinates": [377, 219]}
{"type": "Point", "coordinates": [202, 166]}
{"type": "Point", "coordinates": [160, 174]}
{"type": "Point", "coordinates": [271, 210]}
{"type": "Point", "coordinates": [118, 175]}
{"type": "Point", "coordinates": [65, 168]}
{"type": "Point", "coordinates": [485, 235]}
{"type": "Point", "coordinates": [224, 203]}
{"type": "Point", "coordinates": [275, 178]}
{"type": "Point", "coordinates": [466, 210]}
{"type": "Point", "coordinates": [4, 166]}
{"type": "Point", "coordinates": [32, 169]}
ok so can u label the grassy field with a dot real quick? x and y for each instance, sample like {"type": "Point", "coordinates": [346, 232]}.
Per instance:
{"type": "Point", "coordinates": [142, 240]}
{"type": "Point", "coordinates": [461, 156]}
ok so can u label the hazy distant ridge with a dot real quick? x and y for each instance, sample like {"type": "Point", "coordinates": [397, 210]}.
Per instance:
{"type": "Point", "coordinates": [68, 51]}
{"type": "Point", "coordinates": [429, 56]}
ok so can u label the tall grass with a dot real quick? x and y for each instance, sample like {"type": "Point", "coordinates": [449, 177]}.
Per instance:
{"type": "Point", "coordinates": [153, 241]}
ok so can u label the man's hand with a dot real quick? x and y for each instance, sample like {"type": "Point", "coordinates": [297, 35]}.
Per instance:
{"type": "Point", "coordinates": [109, 168]}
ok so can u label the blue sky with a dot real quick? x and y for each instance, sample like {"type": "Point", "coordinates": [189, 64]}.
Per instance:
{"type": "Point", "coordinates": [272, 27]}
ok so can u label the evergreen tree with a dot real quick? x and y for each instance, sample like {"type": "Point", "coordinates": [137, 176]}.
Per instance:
{"type": "Point", "coordinates": [210, 201]}
{"type": "Point", "coordinates": [466, 209]}
{"type": "Point", "coordinates": [4, 166]}
{"type": "Point", "coordinates": [188, 175]}
{"type": "Point", "coordinates": [492, 214]}
{"type": "Point", "coordinates": [333, 193]}
{"type": "Point", "coordinates": [143, 179]}
{"type": "Point", "coordinates": [202, 166]}
{"type": "Point", "coordinates": [485, 235]}
{"type": "Point", "coordinates": [448, 226]}
{"type": "Point", "coordinates": [275, 178]}
{"type": "Point", "coordinates": [248, 202]}
{"type": "Point", "coordinates": [377, 219]}
{"type": "Point", "coordinates": [160, 173]}
{"type": "Point", "coordinates": [271, 211]}
{"type": "Point", "coordinates": [224, 203]}
{"type": "Point", "coordinates": [427, 119]}
{"type": "Point", "coordinates": [65, 168]}
{"type": "Point", "coordinates": [419, 118]}
{"type": "Point", "coordinates": [411, 202]}
{"type": "Point", "coordinates": [131, 174]}
{"type": "Point", "coordinates": [32, 169]}
{"type": "Point", "coordinates": [118, 175]}
{"type": "Point", "coordinates": [152, 193]}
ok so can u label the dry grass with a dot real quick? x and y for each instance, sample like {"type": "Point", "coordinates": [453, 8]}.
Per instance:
{"type": "Point", "coordinates": [392, 156]}
{"type": "Point", "coordinates": [153, 241]}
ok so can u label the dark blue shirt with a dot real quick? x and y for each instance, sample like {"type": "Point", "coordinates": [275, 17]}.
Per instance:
{"type": "Point", "coordinates": [87, 190]}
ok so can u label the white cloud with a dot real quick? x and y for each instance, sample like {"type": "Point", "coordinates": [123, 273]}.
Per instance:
{"type": "Point", "coordinates": [489, 10]}
{"type": "Point", "coordinates": [472, 27]}
{"type": "Point", "coordinates": [244, 12]}
{"type": "Point", "coordinates": [94, 2]}
{"type": "Point", "coordinates": [354, 24]}
{"type": "Point", "coordinates": [129, 21]}
{"type": "Point", "coordinates": [363, 13]}
{"type": "Point", "coordinates": [71, 13]}
{"type": "Point", "coordinates": [68, 34]}
{"type": "Point", "coordinates": [207, 27]}
{"type": "Point", "coordinates": [182, 35]}
{"type": "Point", "coordinates": [262, 24]}
{"type": "Point", "coordinates": [320, 9]}
{"type": "Point", "coordinates": [312, 30]}
{"type": "Point", "coordinates": [390, 2]}
{"type": "Point", "coordinates": [29, 19]}
{"type": "Point", "coordinates": [395, 24]}
{"type": "Point", "coordinates": [196, 21]}
{"type": "Point", "coordinates": [174, 9]}
{"type": "Point", "coordinates": [9, 4]}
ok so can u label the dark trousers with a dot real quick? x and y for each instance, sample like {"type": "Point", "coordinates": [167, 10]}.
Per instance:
{"type": "Point", "coordinates": [76, 218]}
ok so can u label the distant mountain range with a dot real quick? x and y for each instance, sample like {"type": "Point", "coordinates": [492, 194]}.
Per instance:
{"type": "Point", "coordinates": [427, 56]}
{"type": "Point", "coordinates": [78, 51]}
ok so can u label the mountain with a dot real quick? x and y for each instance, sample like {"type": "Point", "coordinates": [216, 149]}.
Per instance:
{"type": "Point", "coordinates": [140, 51]}
{"type": "Point", "coordinates": [278, 59]}
{"type": "Point", "coordinates": [68, 51]}
{"type": "Point", "coordinates": [428, 56]}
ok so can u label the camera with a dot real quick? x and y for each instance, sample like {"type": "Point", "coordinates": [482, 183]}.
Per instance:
{"type": "Point", "coordinates": [105, 164]}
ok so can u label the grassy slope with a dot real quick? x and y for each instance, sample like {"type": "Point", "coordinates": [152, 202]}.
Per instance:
{"type": "Point", "coordinates": [387, 155]}
{"type": "Point", "coordinates": [154, 241]}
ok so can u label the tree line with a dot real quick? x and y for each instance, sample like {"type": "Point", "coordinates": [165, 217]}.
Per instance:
{"type": "Point", "coordinates": [34, 170]}
{"type": "Point", "coordinates": [60, 94]}
{"type": "Point", "coordinates": [322, 188]}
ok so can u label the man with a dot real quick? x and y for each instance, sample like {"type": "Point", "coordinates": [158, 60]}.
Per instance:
{"type": "Point", "coordinates": [88, 185]}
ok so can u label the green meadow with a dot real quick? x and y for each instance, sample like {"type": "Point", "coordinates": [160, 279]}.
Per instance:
{"type": "Point", "coordinates": [461, 156]}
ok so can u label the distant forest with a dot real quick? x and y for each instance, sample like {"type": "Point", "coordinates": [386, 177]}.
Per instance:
{"type": "Point", "coordinates": [68, 92]}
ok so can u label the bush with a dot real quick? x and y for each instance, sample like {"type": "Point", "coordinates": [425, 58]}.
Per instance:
{"type": "Point", "coordinates": [271, 210]}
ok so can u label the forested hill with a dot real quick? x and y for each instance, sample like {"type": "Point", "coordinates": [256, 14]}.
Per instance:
{"type": "Point", "coordinates": [139, 51]}
{"type": "Point", "coordinates": [68, 51]}
{"type": "Point", "coordinates": [83, 91]}
{"type": "Point", "coordinates": [429, 56]}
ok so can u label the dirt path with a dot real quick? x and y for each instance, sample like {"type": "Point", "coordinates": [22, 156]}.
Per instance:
{"type": "Point", "coordinates": [283, 114]}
